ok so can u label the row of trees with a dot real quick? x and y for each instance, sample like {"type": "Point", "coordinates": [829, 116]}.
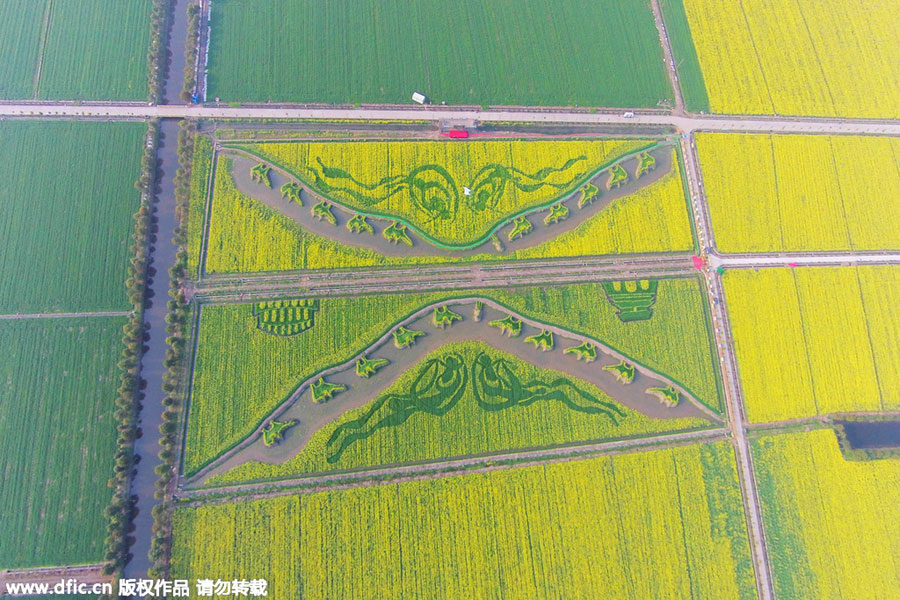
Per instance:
{"type": "Point", "coordinates": [121, 509]}
{"type": "Point", "coordinates": [128, 398]}
{"type": "Point", "coordinates": [191, 48]}
{"type": "Point", "coordinates": [160, 16]}
{"type": "Point", "coordinates": [174, 380]}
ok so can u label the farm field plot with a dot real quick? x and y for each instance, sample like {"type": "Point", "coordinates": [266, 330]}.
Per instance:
{"type": "Point", "coordinates": [74, 49]}
{"type": "Point", "coordinates": [461, 53]}
{"type": "Point", "coordinates": [658, 524]}
{"type": "Point", "coordinates": [832, 525]}
{"type": "Point", "coordinates": [829, 344]}
{"type": "Point", "coordinates": [251, 234]}
{"type": "Point", "coordinates": [20, 43]}
{"type": "Point", "coordinates": [798, 58]}
{"type": "Point", "coordinates": [66, 211]}
{"type": "Point", "coordinates": [232, 350]}
{"type": "Point", "coordinates": [200, 168]}
{"type": "Point", "coordinates": [494, 400]}
{"type": "Point", "coordinates": [781, 193]}
{"type": "Point", "coordinates": [452, 192]}
{"type": "Point", "coordinates": [58, 380]}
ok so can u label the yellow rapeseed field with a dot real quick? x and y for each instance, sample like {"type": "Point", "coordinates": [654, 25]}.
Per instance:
{"type": "Point", "coordinates": [807, 57]}
{"type": "Point", "coordinates": [451, 191]}
{"type": "Point", "coordinates": [775, 193]}
{"type": "Point", "coordinates": [250, 540]}
{"type": "Point", "coordinates": [832, 526]}
{"type": "Point", "coordinates": [656, 524]}
{"type": "Point", "coordinates": [653, 219]}
{"type": "Point", "coordinates": [817, 340]}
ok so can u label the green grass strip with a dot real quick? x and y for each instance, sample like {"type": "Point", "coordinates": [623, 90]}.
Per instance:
{"type": "Point", "coordinates": [690, 76]}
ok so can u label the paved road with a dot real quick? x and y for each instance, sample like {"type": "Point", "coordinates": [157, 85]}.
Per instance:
{"type": "Point", "coordinates": [733, 401]}
{"type": "Point", "coordinates": [803, 260]}
{"type": "Point", "coordinates": [686, 124]}
{"type": "Point", "coordinates": [18, 316]}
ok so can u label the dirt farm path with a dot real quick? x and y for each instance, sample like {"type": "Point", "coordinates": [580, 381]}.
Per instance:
{"type": "Point", "coordinates": [19, 316]}
{"type": "Point", "coordinates": [87, 574]}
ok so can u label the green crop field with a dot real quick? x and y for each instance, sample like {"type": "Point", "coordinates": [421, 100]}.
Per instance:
{"type": "Point", "coordinates": [241, 374]}
{"type": "Point", "coordinates": [20, 44]}
{"type": "Point", "coordinates": [464, 52]}
{"type": "Point", "coordinates": [470, 425]}
{"type": "Point", "coordinates": [202, 162]}
{"type": "Point", "coordinates": [66, 209]}
{"type": "Point", "coordinates": [74, 49]}
{"type": "Point", "coordinates": [658, 524]}
{"type": "Point", "coordinates": [58, 380]}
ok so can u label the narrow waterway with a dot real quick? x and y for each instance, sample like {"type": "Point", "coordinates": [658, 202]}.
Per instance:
{"type": "Point", "coordinates": [162, 257]}
{"type": "Point", "coordinates": [175, 73]}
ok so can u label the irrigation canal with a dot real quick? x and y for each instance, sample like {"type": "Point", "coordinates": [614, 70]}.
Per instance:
{"type": "Point", "coordinates": [162, 257]}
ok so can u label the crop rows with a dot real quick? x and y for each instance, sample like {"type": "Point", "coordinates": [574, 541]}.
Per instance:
{"type": "Point", "coordinates": [241, 374]}
{"type": "Point", "coordinates": [782, 193]}
{"type": "Point", "coordinates": [832, 525]}
{"type": "Point", "coordinates": [20, 44]}
{"type": "Point", "coordinates": [664, 523]}
{"type": "Point", "coordinates": [799, 58]}
{"type": "Point", "coordinates": [74, 49]}
{"type": "Point", "coordinates": [830, 343]}
{"type": "Point", "coordinates": [250, 540]}
{"type": "Point", "coordinates": [66, 212]}
{"type": "Point", "coordinates": [58, 380]}
{"type": "Point", "coordinates": [466, 52]}
{"type": "Point", "coordinates": [653, 219]}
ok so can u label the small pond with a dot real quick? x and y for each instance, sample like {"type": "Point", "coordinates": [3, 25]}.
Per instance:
{"type": "Point", "coordinates": [872, 434]}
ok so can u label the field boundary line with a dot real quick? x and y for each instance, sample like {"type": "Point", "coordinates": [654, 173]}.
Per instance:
{"type": "Point", "coordinates": [768, 123]}
{"type": "Point", "coordinates": [45, 29]}
{"type": "Point", "coordinates": [207, 212]}
{"type": "Point", "coordinates": [73, 315]}
{"type": "Point", "coordinates": [668, 56]}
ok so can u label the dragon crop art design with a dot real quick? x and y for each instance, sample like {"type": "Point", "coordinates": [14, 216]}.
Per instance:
{"type": "Point", "coordinates": [497, 387]}
{"type": "Point", "coordinates": [431, 188]}
{"type": "Point", "coordinates": [436, 389]}
{"type": "Point", "coordinates": [440, 384]}
{"type": "Point", "coordinates": [489, 183]}
{"type": "Point", "coordinates": [434, 192]}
